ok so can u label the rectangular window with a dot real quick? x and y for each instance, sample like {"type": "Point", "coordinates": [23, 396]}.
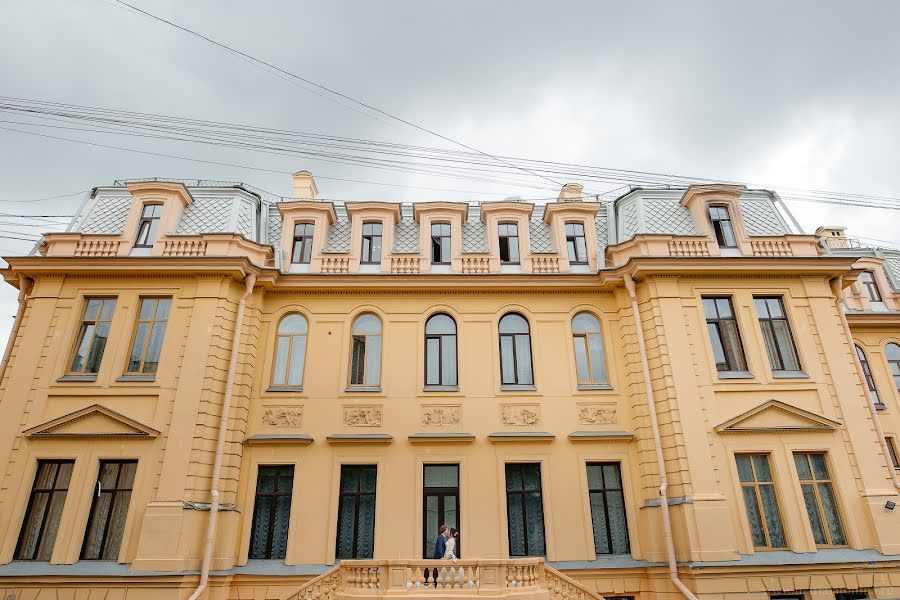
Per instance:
{"type": "Point", "coordinates": [851, 595]}
{"type": "Point", "coordinates": [92, 335]}
{"type": "Point", "coordinates": [575, 243]}
{"type": "Point", "coordinates": [870, 286]}
{"type": "Point", "coordinates": [758, 489]}
{"type": "Point", "coordinates": [45, 506]}
{"type": "Point", "coordinates": [271, 512]}
{"type": "Point", "coordinates": [892, 449]}
{"type": "Point", "coordinates": [148, 225]}
{"type": "Point", "coordinates": [721, 224]}
{"type": "Point", "coordinates": [356, 512]}
{"type": "Point", "coordinates": [440, 496]}
{"type": "Point", "coordinates": [106, 524]}
{"type": "Point", "coordinates": [303, 240]}
{"type": "Point", "coordinates": [371, 244]}
{"type": "Point", "coordinates": [819, 498]}
{"type": "Point", "coordinates": [148, 335]}
{"type": "Point", "coordinates": [607, 499]}
{"type": "Point", "coordinates": [724, 334]}
{"type": "Point", "coordinates": [776, 332]}
{"type": "Point", "coordinates": [440, 243]}
{"type": "Point", "coordinates": [525, 509]}
{"type": "Point", "coordinates": [509, 243]}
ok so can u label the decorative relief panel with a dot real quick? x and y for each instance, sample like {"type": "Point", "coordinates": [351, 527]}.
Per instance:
{"type": "Point", "coordinates": [441, 415]}
{"type": "Point", "coordinates": [520, 414]}
{"type": "Point", "coordinates": [597, 414]}
{"type": "Point", "coordinates": [283, 416]}
{"type": "Point", "coordinates": [362, 416]}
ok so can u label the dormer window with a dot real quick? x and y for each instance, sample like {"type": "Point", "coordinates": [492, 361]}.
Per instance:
{"type": "Point", "coordinates": [509, 243]}
{"type": "Point", "coordinates": [148, 225]}
{"type": "Point", "coordinates": [575, 243]}
{"type": "Point", "coordinates": [867, 279]}
{"type": "Point", "coordinates": [721, 224]}
{"type": "Point", "coordinates": [440, 243]}
{"type": "Point", "coordinates": [303, 240]}
{"type": "Point", "coordinates": [371, 243]}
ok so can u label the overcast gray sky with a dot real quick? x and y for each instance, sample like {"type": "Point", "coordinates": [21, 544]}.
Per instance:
{"type": "Point", "coordinates": [799, 94]}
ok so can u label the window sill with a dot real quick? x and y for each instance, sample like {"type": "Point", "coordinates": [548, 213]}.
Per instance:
{"type": "Point", "coordinates": [735, 375]}
{"type": "Point", "coordinates": [440, 388]}
{"type": "Point", "coordinates": [879, 406]}
{"type": "Point", "coordinates": [363, 388]}
{"type": "Point", "coordinates": [789, 375]}
{"type": "Point", "coordinates": [77, 378]}
{"type": "Point", "coordinates": [144, 378]}
{"type": "Point", "coordinates": [285, 388]}
{"type": "Point", "coordinates": [594, 386]}
{"type": "Point", "coordinates": [517, 388]}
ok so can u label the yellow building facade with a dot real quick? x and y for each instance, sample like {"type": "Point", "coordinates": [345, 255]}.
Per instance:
{"type": "Point", "coordinates": [212, 392]}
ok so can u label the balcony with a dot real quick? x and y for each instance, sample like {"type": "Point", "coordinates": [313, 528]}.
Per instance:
{"type": "Point", "coordinates": [174, 246]}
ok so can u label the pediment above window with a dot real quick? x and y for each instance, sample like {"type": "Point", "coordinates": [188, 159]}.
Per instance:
{"type": "Point", "coordinates": [94, 421]}
{"type": "Point", "coordinates": [777, 417]}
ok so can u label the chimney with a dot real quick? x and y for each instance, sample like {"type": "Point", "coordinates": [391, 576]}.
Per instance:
{"type": "Point", "coordinates": [834, 237]}
{"type": "Point", "coordinates": [304, 186]}
{"type": "Point", "coordinates": [571, 192]}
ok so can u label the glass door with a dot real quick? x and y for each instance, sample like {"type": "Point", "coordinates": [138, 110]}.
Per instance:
{"type": "Point", "coordinates": [440, 497]}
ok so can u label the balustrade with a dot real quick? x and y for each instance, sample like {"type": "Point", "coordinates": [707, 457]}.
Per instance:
{"type": "Point", "coordinates": [476, 264]}
{"type": "Point", "coordinates": [545, 264]}
{"type": "Point", "coordinates": [97, 247]}
{"type": "Point", "coordinates": [405, 264]}
{"type": "Point", "coordinates": [184, 247]}
{"type": "Point", "coordinates": [688, 248]}
{"type": "Point", "coordinates": [335, 264]}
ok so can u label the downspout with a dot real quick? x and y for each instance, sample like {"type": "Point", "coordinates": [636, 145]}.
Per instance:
{"type": "Point", "coordinates": [249, 281]}
{"type": "Point", "coordinates": [657, 443]}
{"type": "Point", "coordinates": [836, 288]}
{"type": "Point", "coordinates": [25, 286]}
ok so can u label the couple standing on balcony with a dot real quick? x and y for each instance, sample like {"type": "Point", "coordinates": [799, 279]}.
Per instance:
{"type": "Point", "coordinates": [445, 544]}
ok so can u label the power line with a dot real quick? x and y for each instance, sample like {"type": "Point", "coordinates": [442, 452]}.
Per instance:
{"type": "Point", "coordinates": [49, 197]}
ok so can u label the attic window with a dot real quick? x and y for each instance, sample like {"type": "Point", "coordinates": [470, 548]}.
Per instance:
{"type": "Point", "coordinates": [148, 225]}
{"type": "Point", "coordinates": [721, 224]}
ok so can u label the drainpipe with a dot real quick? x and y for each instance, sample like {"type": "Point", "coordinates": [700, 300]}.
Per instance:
{"type": "Point", "coordinates": [249, 281]}
{"type": "Point", "coordinates": [660, 461]}
{"type": "Point", "coordinates": [836, 288]}
{"type": "Point", "coordinates": [25, 285]}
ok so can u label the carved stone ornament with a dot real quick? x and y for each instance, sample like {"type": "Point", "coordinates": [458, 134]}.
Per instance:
{"type": "Point", "coordinates": [597, 414]}
{"type": "Point", "coordinates": [441, 415]}
{"type": "Point", "coordinates": [362, 416]}
{"type": "Point", "coordinates": [280, 416]}
{"type": "Point", "coordinates": [520, 414]}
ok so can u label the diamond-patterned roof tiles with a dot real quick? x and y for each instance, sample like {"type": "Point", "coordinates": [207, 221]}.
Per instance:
{"type": "Point", "coordinates": [406, 237]}
{"type": "Point", "coordinates": [761, 218]}
{"type": "Point", "coordinates": [892, 267]}
{"type": "Point", "coordinates": [602, 225]}
{"type": "Point", "coordinates": [245, 220]}
{"type": "Point", "coordinates": [474, 236]}
{"type": "Point", "coordinates": [273, 225]}
{"type": "Point", "coordinates": [629, 220]}
{"type": "Point", "coordinates": [206, 215]}
{"type": "Point", "coordinates": [663, 215]}
{"type": "Point", "coordinates": [107, 216]}
{"type": "Point", "coordinates": [541, 237]}
{"type": "Point", "coordinates": [338, 239]}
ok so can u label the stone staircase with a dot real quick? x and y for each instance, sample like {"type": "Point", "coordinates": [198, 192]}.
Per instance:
{"type": "Point", "coordinates": [516, 579]}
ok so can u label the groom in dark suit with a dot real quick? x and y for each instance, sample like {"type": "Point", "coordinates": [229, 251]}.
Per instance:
{"type": "Point", "coordinates": [440, 546]}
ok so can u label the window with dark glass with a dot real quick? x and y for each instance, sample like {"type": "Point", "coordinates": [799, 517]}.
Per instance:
{"type": "Point", "coordinates": [515, 351]}
{"type": "Point", "coordinates": [851, 595]}
{"type": "Point", "coordinates": [867, 374]}
{"type": "Point", "coordinates": [892, 354]}
{"type": "Point", "coordinates": [590, 362]}
{"type": "Point", "coordinates": [290, 351]}
{"type": "Point", "coordinates": [758, 488]}
{"type": "Point", "coordinates": [509, 243]}
{"type": "Point", "coordinates": [575, 243]}
{"type": "Point", "coordinates": [271, 512]}
{"type": "Point", "coordinates": [365, 351]}
{"type": "Point", "coordinates": [148, 335]}
{"type": "Point", "coordinates": [607, 499]}
{"type": "Point", "coordinates": [303, 241]}
{"type": "Point", "coordinates": [776, 333]}
{"type": "Point", "coordinates": [892, 450]}
{"type": "Point", "coordinates": [356, 512]}
{"type": "Point", "coordinates": [525, 509]}
{"type": "Point", "coordinates": [109, 510]}
{"type": "Point", "coordinates": [371, 243]}
{"type": "Point", "coordinates": [45, 506]}
{"type": "Point", "coordinates": [92, 335]}
{"type": "Point", "coordinates": [870, 286]}
{"type": "Point", "coordinates": [724, 335]}
{"type": "Point", "coordinates": [819, 498]}
{"type": "Point", "coordinates": [440, 495]}
{"type": "Point", "coordinates": [147, 225]}
{"type": "Point", "coordinates": [440, 243]}
{"type": "Point", "coordinates": [440, 351]}
{"type": "Point", "coordinates": [721, 224]}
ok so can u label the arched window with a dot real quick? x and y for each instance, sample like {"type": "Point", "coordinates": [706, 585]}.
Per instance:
{"type": "Point", "coordinates": [515, 351]}
{"type": "Point", "coordinates": [892, 353]}
{"type": "Point", "coordinates": [867, 372]}
{"type": "Point", "coordinates": [290, 351]}
{"type": "Point", "coordinates": [365, 351]}
{"type": "Point", "coordinates": [589, 358]}
{"type": "Point", "coordinates": [440, 350]}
